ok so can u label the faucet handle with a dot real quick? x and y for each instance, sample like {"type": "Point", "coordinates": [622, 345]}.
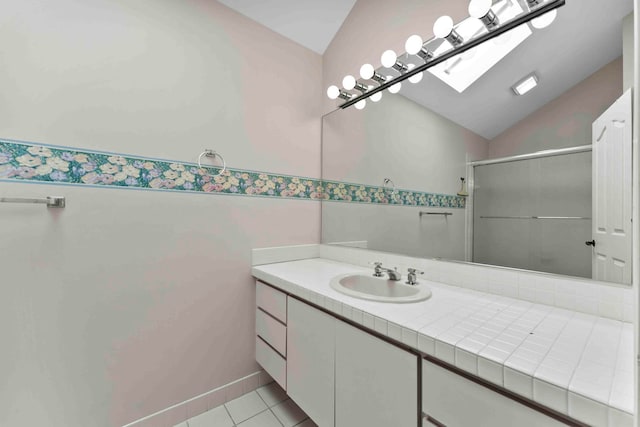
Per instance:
{"type": "Point", "coordinates": [377, 269]}
{"type": "Point", "coordinates": [411, 277]}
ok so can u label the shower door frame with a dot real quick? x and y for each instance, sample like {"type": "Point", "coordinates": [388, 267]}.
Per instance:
{"type": "Point", "coordinates": [468, 247]}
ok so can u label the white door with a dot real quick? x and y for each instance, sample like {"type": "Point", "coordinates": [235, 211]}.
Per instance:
{"type": "Point", "coordinates": [612, 192]}
{"type": "Point", "coordinates": [376, 382]}
{"type": "Point", "coordinates": [310, 361]}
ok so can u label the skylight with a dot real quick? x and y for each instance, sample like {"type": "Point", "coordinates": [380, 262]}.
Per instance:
{"type": "Point", "coordinates": [463, 70]}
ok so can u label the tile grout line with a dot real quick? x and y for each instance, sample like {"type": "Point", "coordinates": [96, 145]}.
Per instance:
{"type": "Point", "coordinates": [229, 414]}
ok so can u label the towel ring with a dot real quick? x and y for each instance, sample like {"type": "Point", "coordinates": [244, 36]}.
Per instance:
{"type": "Point", "coordinates": [212, 153]}
{"type": "Point", "coordinates": [388, 181]}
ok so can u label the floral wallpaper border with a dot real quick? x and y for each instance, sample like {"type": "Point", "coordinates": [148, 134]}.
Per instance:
{"type": "Point", "coordinates": [21, 161]}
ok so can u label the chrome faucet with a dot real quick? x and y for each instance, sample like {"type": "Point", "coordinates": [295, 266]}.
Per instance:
{"type": "Point", "coordinates": [412, 276]}
{"type": "Point", "coordinates": [394, 274]}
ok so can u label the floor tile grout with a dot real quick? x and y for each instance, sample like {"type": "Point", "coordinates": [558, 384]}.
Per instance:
{"type": "Point", "coordinates": [268, 408]}
{"type": "Point", "coordinates": [229, 414]}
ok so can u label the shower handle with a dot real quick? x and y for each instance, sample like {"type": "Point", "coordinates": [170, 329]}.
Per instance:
{"type": "Point", "coordinates": [590, 243]}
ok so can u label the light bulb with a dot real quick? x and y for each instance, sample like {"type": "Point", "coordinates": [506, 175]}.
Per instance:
{"type": "Point", "coordinates": [479, 8]}
{"type": "Point", "coordinates": [413, 44]}
{"type": "Point", "coordinates": [396, 87]}
{"type": "Point", "coordinates": [376, 97]}
{"type": "Point", "coordinates": [367, 71]}
{"type": "Point", "coordinates": [349, 82]}
{"type": "Point", "coordinates": [443, 27]}
{"type": "Point", "coordinates": [360, 104]}
{"type": "Point", "coordinates": [417, 77]}
{"type": "Point", "coordinates": [333, 92]}
{"type": "Point", "coordinates": [545, 20]}
{"type": "Point", "coordinates": [388, 58]}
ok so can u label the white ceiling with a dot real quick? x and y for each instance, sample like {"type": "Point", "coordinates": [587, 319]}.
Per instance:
{"type": "Point", "coordinates": [311, 23]}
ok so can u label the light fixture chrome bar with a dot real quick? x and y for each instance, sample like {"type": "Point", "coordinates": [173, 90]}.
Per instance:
{"type": "Point", "coordinates": [536, 155]}
{"type": "Point", "coordinates": [345, 95]}
{"type": "Point", "coordinates": [537, 217]}
{"type": "Point", "coordinates": [379, 78]}
{"type": "Point", "coordinates": [425, 54]}
{"type": "Point", "coordinates": [490, 20]}
{"type": "Point", "coordinates": [400, 67]}
{"type": "Point", "coordinates": [435, 213]}
{"type": "Point", "coordinates": [454, 38]}
{"type": "Point", "coordinates": [469, 44]}
{"type": "Point", "coordinates": [51, 202]}
{"type": "Point", "coordinates": [362, 88]}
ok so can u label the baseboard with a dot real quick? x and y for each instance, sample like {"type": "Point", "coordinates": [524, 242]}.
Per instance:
{"type": "Point", "coordinates": [197, 405]}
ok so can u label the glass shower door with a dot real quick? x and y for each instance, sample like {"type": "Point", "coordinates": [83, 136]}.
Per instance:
{"type": "Point", "coordinates": [534, 214]}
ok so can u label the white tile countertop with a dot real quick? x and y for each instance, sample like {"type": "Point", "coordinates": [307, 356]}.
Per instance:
{"type": "Point", "coordinates": [575, 363]}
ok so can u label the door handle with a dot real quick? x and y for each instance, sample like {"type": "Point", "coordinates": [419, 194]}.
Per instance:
{"type": "Point", "coordinates": [590, 243]}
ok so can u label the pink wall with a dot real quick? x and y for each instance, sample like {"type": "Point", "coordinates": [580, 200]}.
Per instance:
{"type": "Point", "coordinates": [127, 302]}
{"type": "Point", "coordinates": [374, 26]}
{"type": "Point", "coordinates": [565, 121]}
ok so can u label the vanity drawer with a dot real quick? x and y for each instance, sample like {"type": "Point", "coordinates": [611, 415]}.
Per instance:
{"type": "Point", "coordinates": [272, 362]}
{"type": "Point", "coordinates": [272, 331]}
{"type": "Point", "coordinates": [272, 301]}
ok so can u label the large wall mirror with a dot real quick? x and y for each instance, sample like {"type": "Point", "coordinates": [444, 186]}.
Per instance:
{"type": "Point", "coordinates": [547, 173]}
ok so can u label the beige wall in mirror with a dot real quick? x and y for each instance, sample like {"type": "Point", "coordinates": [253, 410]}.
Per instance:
{"type": "Point", "coordinates": [413, 148]}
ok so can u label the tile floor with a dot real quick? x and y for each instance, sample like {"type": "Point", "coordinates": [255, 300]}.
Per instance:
{"type": "Point", "coordinates": [268, 406]}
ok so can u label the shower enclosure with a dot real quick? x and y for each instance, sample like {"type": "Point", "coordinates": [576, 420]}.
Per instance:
{"type": "Point", "coordinates": [534, 211]}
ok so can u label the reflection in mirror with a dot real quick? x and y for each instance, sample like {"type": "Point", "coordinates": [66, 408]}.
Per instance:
{"type": "Point", "coordinates": [392, 171]}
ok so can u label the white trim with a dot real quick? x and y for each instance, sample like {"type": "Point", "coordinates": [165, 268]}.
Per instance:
{"type": "Point", "coordinates": [263, 256]}
{"type": "Point", "coordinates": [132, 424]}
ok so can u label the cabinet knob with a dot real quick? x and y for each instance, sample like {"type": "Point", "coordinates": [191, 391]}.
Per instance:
{"type": "Point", "coordinates": [590, 243]}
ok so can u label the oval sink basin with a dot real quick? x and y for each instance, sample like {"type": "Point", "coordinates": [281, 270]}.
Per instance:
{"type": "Point", "coordinates": [379, 289]}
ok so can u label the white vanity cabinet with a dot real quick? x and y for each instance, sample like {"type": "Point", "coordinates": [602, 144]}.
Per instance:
{"type": "Point", "coordinates": [311, 362]}
{"type": "Point", "coordinates": [454, 401]}
{"type": "Point", "coordinates": [344, 377]}
{"type": "Point", "coordinates": [271, 332]}
{"type": "Point", "coordinates": [376, 382]}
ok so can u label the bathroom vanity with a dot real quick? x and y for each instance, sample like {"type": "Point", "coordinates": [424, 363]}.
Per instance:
{"type": "Point", "coordinates": [459, 358]}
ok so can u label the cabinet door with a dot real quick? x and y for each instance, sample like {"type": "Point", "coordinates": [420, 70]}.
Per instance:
{"type": "Point", "coordinates": [457, 402]}
{"type": "Point", "coordinates": [310, 361]}
{"type": "Point", "coordinates": [376, 382]}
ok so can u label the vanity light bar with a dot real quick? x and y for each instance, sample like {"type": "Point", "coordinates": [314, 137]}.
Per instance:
{"type": "Point", "coordinates": [459, 46]}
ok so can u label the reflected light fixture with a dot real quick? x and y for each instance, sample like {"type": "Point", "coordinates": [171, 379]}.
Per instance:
{"type": "Point", "coordinates": [376, 97]}
{"type": "Point", "coordinates": [443, 29]}
{"type": "Point", "coordinates": [526, 84]}
{"type": "Point", "coordinates": [389, 59]}
{"type": "Point", "coordinates": [545, 20]}
{"type": "Point", "coordinates": [361, 104]}
{"type": "Point", "coordinates": [481, 9]}
{"type": "Point", "coordinates": [542, 21]}
{"type": "Point", "coordinates": [367, 72]}
{"type": "Point", "coordinates": [415, 46]}
{"type": "Point", "coordinates": [417, 78]}
{"type": "Point", "coordinates": [394, 88]}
